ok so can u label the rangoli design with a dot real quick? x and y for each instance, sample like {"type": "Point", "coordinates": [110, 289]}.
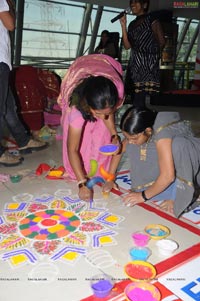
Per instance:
{"type": "Point", "coordinates": [55, 227]}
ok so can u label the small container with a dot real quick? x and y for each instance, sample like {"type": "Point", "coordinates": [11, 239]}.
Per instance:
{"type": "Point", "coordinates": [140, 253]}
{"type": "Point", "coordinates": [166, 247]}
{"type": "Point", "coordinates": [15, 178]}
{"type": "Point", "coordinates": [142, 291]}
{"type": "Point", "coordinates": [157, 231]}
{"type": "Point", "coordinates": [140, 238]}
{"type": "Point", "coordinates": [102, 285]}
{"type": "Point", "coordinates": [139, 270]}
{"type": "Point", "coordinates": [105, 194]}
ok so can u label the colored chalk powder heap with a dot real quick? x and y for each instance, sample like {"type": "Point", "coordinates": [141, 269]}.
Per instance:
{"type": "Point", "coordinates": [140, 253]}
{"type": "Point", "coordinates": [140, 270]}
{"type": "Point", "coordinates": [140, 238]}
{"type": "Point", "coordinates": [142, 292]}
{"type": "Point", "coordinates": [101, 285]}
{"type": "Point", "coordinates": [108, 149]}
{"type": "Point", "coordinates": [166, 247]}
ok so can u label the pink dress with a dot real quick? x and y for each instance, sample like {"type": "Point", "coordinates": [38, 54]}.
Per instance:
{"type": "Point", "coordinates": [95, 134]}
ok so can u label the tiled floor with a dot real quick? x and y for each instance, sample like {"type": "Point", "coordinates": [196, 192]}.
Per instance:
{"type": "Point", "coordinates": [57, 287]}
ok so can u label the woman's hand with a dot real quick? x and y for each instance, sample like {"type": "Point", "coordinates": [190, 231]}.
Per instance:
{"type": "Point", "coordinates": [132, 199]}
{"type": "Point", "coordinates": [123, 21]}
{"type": "Point", "coordinates": [85, 194]}
{"type": "Point", "coordinates": [109, 185]}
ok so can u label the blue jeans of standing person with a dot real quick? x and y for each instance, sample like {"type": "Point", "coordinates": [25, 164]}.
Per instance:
{"type": "Point", "coordinates": [8, 111]}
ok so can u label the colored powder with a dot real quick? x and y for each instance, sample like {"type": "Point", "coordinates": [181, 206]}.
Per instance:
{"type": "Point", "coordinates": [156, 232]}
{"type": "Point", "coordinates": [139, 294]}
{"type": "Point", "coordinates": [139, 254]}
{"type": "Point", "coordinates": [140, 239]}
{"type": "Point", "coordinates": [102, 285]}
{"type": "Point", "coordinates": [138, 271]}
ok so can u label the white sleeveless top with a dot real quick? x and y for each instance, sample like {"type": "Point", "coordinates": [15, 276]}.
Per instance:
{"type": "Point", "coordinates": [5, 52]}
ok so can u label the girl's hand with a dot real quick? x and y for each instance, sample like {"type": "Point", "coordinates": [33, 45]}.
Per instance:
{"type": "Point", "coordinates": [133, 198]}
{"type": "Point", "coordinates": [85, 194]}
{"type": "Point", "coordinates": [115, 139]}
{"type": "Point", "coordinates": [108, 186]}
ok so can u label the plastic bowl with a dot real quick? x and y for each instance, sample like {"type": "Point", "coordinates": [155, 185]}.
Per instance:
{"type": "Point", "coordinates": [140, 238]}
{"type": "Point", "coordinates": [139, 270]}
{"type": "Point", "coordinates": [15, 178]}
{"type": "Point", "coordinates": [166, 247]}
{"type": "Point", "coordinates": [101, 285]}
{"type": "Point", "coordinates": [109, 149]}
{"type": "Point", "coordinates": [142, 291]}
{"type": "Point", "coordinates": [157, 231]}
{"type": "Point", "coordinates": [140, 253]}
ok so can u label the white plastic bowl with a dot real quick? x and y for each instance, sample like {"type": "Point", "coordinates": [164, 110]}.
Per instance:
{"type": "Point", "coordinates": [167, 247]}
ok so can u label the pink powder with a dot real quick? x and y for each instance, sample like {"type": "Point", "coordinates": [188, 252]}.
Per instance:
{"type": "Point", "coordinates": [139, 294]}
{"type": "Point", "coordinates": [140, 239]}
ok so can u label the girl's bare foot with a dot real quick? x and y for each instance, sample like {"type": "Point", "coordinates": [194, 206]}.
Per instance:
{"type": "Point", "coordinates": [168, 206]}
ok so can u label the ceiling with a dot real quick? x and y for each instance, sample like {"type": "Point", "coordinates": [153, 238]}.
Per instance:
{"type": "Point", "coordinates": [193, 13]}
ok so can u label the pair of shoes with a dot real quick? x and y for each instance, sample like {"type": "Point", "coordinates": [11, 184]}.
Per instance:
{"type": "Point", "coordinates": [9, 160]}
{"type": "Point", "coordinates": [32, 146]}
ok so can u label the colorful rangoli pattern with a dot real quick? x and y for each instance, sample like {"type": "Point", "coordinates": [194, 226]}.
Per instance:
{"type": "Point", "coordinates": [56, 226]}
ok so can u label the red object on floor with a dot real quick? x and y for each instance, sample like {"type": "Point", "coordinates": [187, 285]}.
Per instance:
{"type": "Point", "coordinates": [42, 168]}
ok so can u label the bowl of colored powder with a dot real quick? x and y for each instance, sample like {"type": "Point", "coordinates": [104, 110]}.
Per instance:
{"type": "Point", "coordinates": [140, 253]}
{"type": "Point", "coordinates": [139, 270]}
{"type": "Point", "coordinates": [166, 247]}
{"type": "Point", "coordinates": [157, 231]}
{"type": "Point", "coordinates": [142, 291]}
{"type": "Point", "coordinates": [108, 149]}
{"type": "Point", "coordinates": [102, 285]}
{"type": "Point", "coordinates": [15, 178]}
{"type": "Point", "coordinates": [140, 238]}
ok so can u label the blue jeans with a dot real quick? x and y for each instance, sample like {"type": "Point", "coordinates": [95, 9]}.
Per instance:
{"type": "Point", "coordinates": [8, 112]}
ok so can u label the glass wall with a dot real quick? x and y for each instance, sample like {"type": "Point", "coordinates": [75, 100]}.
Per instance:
{"type": "Point", "coordinates": [52, 35]}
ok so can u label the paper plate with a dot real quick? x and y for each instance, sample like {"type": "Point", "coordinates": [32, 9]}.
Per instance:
{"type": "Point", "coordinates": [157, 231]}
{"type": "Point", "coordinates": [108, 149]}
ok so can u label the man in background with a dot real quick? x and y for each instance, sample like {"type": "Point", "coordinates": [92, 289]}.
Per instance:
{"type": "Point", "coordinates": [8, 114]}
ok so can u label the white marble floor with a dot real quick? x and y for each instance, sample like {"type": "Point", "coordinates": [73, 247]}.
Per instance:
{"type": "Point", "coordinates": [56, 286]}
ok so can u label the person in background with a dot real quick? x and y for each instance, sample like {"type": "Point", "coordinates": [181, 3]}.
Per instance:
{"type": "Point", "coordinates": [106, 46]}
{"type": "Point", "coordinates": [91, 91]}
{"type": "Point", "coordinates": [8, 115]}
{"type": "Point", "coordinates": [164, 160]}
{"type": "Point", "coordinates": [146, 40]}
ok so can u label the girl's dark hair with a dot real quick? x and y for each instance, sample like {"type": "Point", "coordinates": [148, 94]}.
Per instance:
{"type": "Point", "coordinates": [142, 2]}
{"type": "Point", "coordinates": [135, 120]}
{"type": "Point", "coordinates": [97, 93]}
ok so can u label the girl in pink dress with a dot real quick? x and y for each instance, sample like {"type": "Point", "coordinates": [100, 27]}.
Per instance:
{"type": "Point", "coordinates": [91, 91]}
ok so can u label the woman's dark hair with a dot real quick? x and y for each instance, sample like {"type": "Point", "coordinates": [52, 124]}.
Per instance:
{"type": "Point", "coordinates": [104, 32]}
{"type": "Point", "coordinates": [97, 93]}
{"type": "Point", "coordinates": [135, 120]}
{"type": "Point", "coordinates": [142, 2]}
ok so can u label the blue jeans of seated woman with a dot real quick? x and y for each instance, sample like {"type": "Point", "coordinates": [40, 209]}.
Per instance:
{"type": "Point", "coordinates": [8, 113]}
